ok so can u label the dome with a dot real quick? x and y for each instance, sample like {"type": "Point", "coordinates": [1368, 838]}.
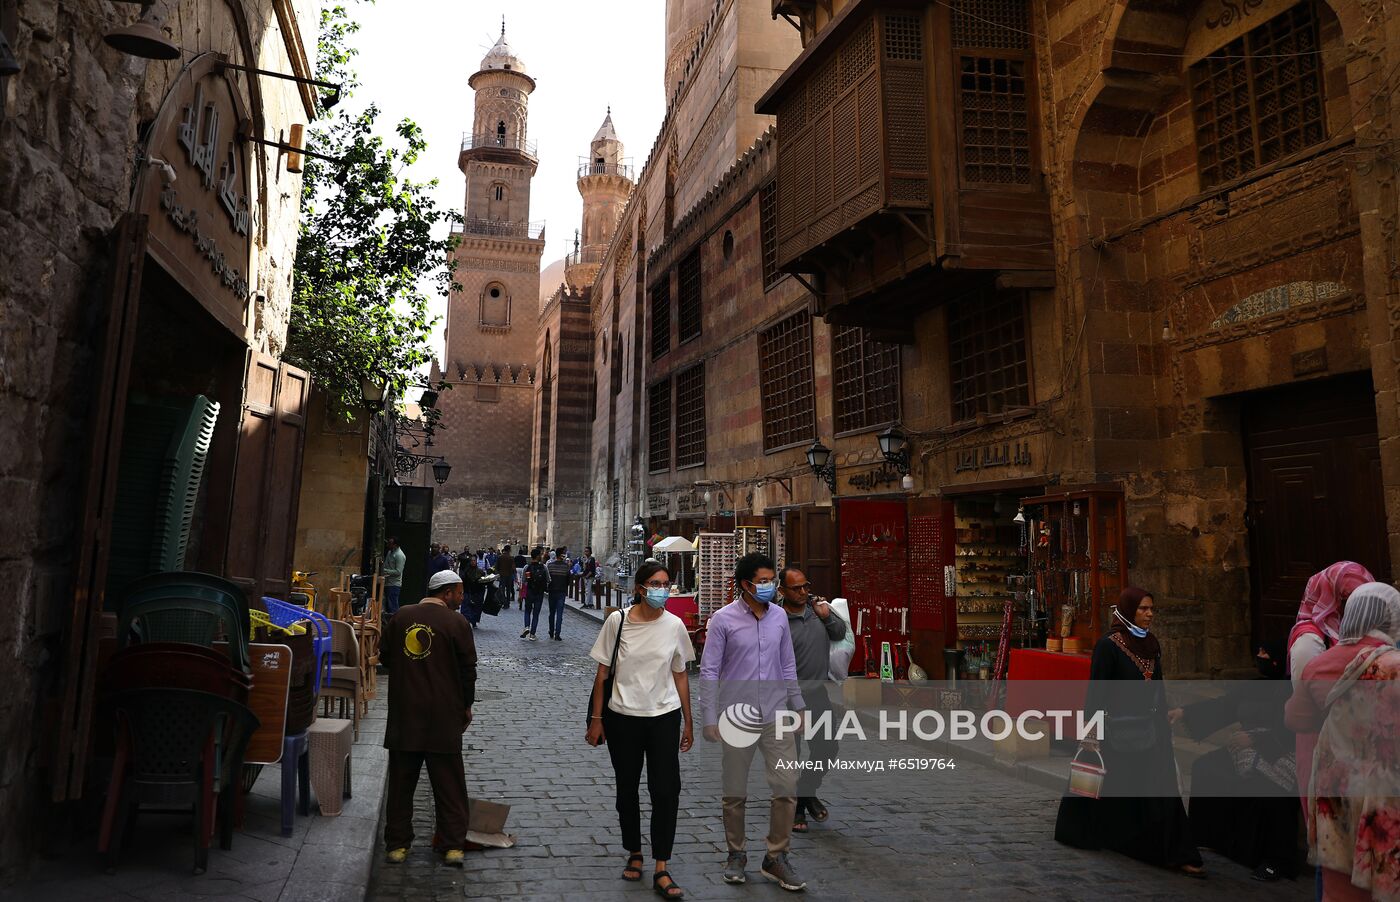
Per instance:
{"type": "Point", "coordinates": [551, 277]}
{"type": "Point", "coordinates": [502, 57]}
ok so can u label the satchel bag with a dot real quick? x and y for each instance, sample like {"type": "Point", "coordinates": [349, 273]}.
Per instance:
{"type": "Point", "coordinates": [1086, 779]}
{"type": "Point", "coordinates": [1132, 733]}
{"type": "Point", "coordinates": [612, 673]}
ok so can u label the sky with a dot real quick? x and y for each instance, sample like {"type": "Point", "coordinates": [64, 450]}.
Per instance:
{"type": "Point", "coordinates": [416, 55]}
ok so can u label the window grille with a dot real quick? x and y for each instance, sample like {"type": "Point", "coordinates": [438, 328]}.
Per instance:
{"type": "Point", "coordinates": [991, 24]}
{"type": "Point", "coordinates": [768, 227]}
{"type": "Point", "coordinates": [865, 376]}
{"type": "Point", "coordinates": [690, 417]}
{"type": "Point", "coordinates": [1259, 98]}
{"type": "Point", "coordinates": [659, 426]}
{"type": "Point", "coordinates": [688, 297]}
{"type": "Point", "coordinates": [987, 354]}
{"type": "Point", "coordinates": [661, 317]}
{"type": "Point", "coordinates": [785, 382]}
{"type": "Point", "coordinates": [996, 135]}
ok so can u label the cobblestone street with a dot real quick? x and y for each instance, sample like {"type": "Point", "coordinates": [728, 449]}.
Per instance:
{"type": "Point", "coordinates": [526, 749]}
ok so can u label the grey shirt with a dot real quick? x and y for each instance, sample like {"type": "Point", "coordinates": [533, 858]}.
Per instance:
{"type": "Point", "coordinates": [811, 643]}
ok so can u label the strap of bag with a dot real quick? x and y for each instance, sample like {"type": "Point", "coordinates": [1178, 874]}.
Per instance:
{"type": "Point", "coordinates": [617, 643]}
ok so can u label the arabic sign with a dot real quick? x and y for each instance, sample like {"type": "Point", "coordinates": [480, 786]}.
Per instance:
{"type": "Point", "coordinates": [867, 480]}
{"type": "Point", "coordinates": [999, 459]}
{"type": "Point", "coordinates": [201, 222]}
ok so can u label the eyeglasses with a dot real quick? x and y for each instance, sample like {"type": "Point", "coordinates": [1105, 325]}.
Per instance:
{"type": "Point", "coordinates": [653, 585]}
{"type": "Point", "coordinates": [802, 588]}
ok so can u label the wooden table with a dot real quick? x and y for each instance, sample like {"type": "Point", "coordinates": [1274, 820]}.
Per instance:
{"type": "Point", "coordinates": [272, 676]}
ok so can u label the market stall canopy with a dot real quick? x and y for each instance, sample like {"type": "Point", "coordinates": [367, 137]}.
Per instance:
{"type": "Point", "coordinates": [673, 545]}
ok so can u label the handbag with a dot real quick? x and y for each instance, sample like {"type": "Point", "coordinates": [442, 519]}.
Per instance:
{"type": "Point", "coordinates": [612, 673]}
{"type": "Point", "coordinates": [1132, 733]}
{"type": "Point", "coordinates": [1086, 779]}
{"type": "Point", "coordinates": [492, 604]}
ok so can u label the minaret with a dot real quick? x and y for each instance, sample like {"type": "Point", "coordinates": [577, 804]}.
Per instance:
{"type": "Point", "coordinates": [492, 319]}
{"type": "Point", "coordinates": [605, 181]}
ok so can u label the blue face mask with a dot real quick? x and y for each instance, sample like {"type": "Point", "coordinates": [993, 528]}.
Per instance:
{"type": "Point", "coordinates": [1139, 631]}
{"type": "Point", "coordinates": [765, 592]}
{"type": "Point", "coordinates": [656, 597]}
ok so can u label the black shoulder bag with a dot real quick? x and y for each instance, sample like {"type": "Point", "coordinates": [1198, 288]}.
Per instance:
{"type": "Point", "coordinates": [612, 673]}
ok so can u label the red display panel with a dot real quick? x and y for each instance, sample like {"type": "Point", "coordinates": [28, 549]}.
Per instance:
{"type": "Point", "coordinates": [875, 573]}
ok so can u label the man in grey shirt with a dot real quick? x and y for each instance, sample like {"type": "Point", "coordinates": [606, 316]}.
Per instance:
{"type": "Point", "coordinates": [814, 627]}
{"type": "Point", "coordinates": [392, 569]}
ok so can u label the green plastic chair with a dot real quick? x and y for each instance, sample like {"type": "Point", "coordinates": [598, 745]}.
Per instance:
{"type": "Point", "coordinates": [184, 616]}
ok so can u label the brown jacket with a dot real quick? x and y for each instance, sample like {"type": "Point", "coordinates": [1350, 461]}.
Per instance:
{"type": "Point", "coordinates": [431, 656]}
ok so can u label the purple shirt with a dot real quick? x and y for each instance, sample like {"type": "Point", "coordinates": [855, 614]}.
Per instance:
{"type": "Point", "coordinates": [749, 660]}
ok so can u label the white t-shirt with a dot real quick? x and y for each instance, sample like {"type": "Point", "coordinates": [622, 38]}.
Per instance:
{"type": "Point", "coordinates": [643, 685]}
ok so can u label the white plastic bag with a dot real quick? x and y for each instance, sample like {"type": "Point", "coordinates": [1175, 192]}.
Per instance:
{"type": "Point", "coordinates": [839, 662]}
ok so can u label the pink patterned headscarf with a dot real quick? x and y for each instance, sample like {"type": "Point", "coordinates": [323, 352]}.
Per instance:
{"type": "Point", "coordinates": [1326, 595]}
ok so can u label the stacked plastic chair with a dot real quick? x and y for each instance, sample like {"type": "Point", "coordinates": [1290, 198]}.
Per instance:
{"type": "Point", "coordinates": [178, 706]}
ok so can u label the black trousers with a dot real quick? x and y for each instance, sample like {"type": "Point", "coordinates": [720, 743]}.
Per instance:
{"type": "Point", "coordinates": [655, 741]}
{"type": "Point", "coordinates": [819, 747]}
{"type": "Point", "coordinates": [449, 781]}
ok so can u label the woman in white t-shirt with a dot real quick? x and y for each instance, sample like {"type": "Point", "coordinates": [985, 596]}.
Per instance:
{"type": "Point", "coordinates": [642, 720]}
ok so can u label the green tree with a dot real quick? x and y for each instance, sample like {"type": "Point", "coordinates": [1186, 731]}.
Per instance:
{"type": "Point", "coordinates": [366, 256]}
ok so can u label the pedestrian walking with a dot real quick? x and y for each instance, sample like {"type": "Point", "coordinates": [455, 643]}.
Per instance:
{"type": "Point", "coordinates": [440, 561]}
{"type": "Point", "coordinates": [1137, 751]}
{"type": "Point", "coordinates": [1328, 708]}
{"type": "Point", "coordinates": [645, 719]}
{"type": "Point", "coordinates": [559, 576]}
{"type": "Point", "coordinates": [748, 665]}
{"type": "Point", "coordinates": [814, 627]}
{"type": "Point", "coordinates": [505, 570]}
{"type": "Point", "coordinates": [431, 657]}
{"type": "Point", "coordinates": [392, 569]}
{"type": "Point", "coordinates": [536, 582]}
{"type": "Point", "coordinates": [474, 592]}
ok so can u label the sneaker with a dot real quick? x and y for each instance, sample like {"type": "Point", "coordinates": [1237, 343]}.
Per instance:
{"type": "Point", "coordinates": [533, 637]}
{"type": "Point", "coordinates": [558, 638]}
{"type": "Point", "coordinates": [777, 869]}
{"type": "Point", "coordinates": [524, 634]}
{"type": "Point", "coordinates": [734, 868]}
{"type": "Point", "coordinates": [397, 856]}
{"type": "Point", "coordinates": [454, 858]}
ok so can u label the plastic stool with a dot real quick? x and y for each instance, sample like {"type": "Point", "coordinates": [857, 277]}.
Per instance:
{"type": "Point", "coordinates": [330, 744]}
{"type": "Point", "coordinates": [296, 774]}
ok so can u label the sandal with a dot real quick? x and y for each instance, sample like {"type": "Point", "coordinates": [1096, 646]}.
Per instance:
{"type": "Point", "coordinates": [817, 810]}
{"type": "Point", "coordinates": [799, 824]}
{"type": "Point", "coordinates": [673, 891]}
{"type": "Point", "coordinates": [1194, 871]}
{"type": "Point", "coordinates": [633, 872]}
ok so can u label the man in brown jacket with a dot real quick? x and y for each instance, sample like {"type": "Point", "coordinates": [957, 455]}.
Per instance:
{"type": "Point", "coordinates": [431, 656]}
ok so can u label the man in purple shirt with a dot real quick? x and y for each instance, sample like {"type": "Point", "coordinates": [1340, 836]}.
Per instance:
{"type": "Point", "coordinates": [747, 675]}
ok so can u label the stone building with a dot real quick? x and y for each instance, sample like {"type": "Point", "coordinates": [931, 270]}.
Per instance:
{"type": "Point", "coordinates": [1132, 237]}
{"type": "Point", "coordinates": [145, 291]}
{"type": "Point", "coordinates": [721, 57]}
{"type": "Point", "coordinates": [490, 354]}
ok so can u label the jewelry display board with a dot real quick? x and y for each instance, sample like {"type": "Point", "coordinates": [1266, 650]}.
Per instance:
{"type": "Point", "coordinates": [1079, 560]}
{"type": "Point", "coordinates": [875, 575]}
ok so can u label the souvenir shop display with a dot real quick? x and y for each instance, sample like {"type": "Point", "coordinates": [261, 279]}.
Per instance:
{"type": "Point", "coordinates": [1078, 562]}
{"type": "Point", "coordinates": [993, 602]}
{"type": "Point", "coordinates": [714, 569]}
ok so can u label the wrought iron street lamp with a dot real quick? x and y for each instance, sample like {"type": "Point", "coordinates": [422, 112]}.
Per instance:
{"type": "Point", "coordinates": [894, 446]}
{"type": "Point", "coordinates": [823, 467]}
{"type": "Point", "coordinates": [372, 394]}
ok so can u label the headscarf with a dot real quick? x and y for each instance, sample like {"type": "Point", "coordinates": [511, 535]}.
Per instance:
{"type": "Point", "coordinates": [1326, 595]}
{"type": "Point", "coordinates": [1372, 608]}
{"type": "Point", "coordinates": [1146, 647]}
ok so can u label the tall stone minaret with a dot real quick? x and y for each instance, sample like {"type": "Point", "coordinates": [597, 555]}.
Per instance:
{"type": "Point", "coordinates": [492, 319]}
{"type": "Point", "coordinates": [605, 181]}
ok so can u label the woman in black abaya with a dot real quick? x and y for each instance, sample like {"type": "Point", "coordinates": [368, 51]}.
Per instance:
{"type": "Point", "coordinates": [1139, 811]}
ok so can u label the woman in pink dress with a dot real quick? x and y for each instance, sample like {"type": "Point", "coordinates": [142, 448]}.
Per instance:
{"type": "Point", "coordinates": [1350, 693]}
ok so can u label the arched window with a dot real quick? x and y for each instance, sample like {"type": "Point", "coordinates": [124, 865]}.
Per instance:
{"type": "Point", "coordinates": [498, 202]}
{"type": "Point", "coordinates": [501, 133]}
{"type": "Point", "coordinates": [495, 305]}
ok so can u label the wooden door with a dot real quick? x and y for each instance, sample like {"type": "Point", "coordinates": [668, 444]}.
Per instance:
{"type": "Point", "coordinates": [1314, 492]}
{"type": "Point", "coordinates": [108, 398]}
{"type": "Point", "coordinates": [267, 477]}
{"type": "Point", "coordinates": [820, 559]}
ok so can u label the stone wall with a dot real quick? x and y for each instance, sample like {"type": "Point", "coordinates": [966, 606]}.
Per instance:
{"type": "Point", "coordinates": [68, 130]}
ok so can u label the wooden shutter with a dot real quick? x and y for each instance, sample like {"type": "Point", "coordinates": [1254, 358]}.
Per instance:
{"type": "Point", "coordinates": [820, 561]}
{"type": "Point", "coordinates": [267, 476]}
{"type": "Point", "coordinates": [109, 389]}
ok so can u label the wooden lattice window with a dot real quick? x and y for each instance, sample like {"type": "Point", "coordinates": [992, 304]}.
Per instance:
{"type": "Point", "coordinates": [688, 297]}
{"type": "Point", "coordinates": [987, 354]}
{"type": "Point", "coordinates": [993, 40]}
{"type": "Point", "coordinates": [659, 426]}
{"type": "Point", "coordinates": [768, 227]}
{"type": "Point", "coordinates": [865, 376]}
{"type": "Point", "coordinates": [690, 417]}
{"type": "Point", "coordinates": [661, 317]}
{"type": "Point", "coordinates": [1259, 98]}
{"type": "Point", "coordinates": [785, 382]}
